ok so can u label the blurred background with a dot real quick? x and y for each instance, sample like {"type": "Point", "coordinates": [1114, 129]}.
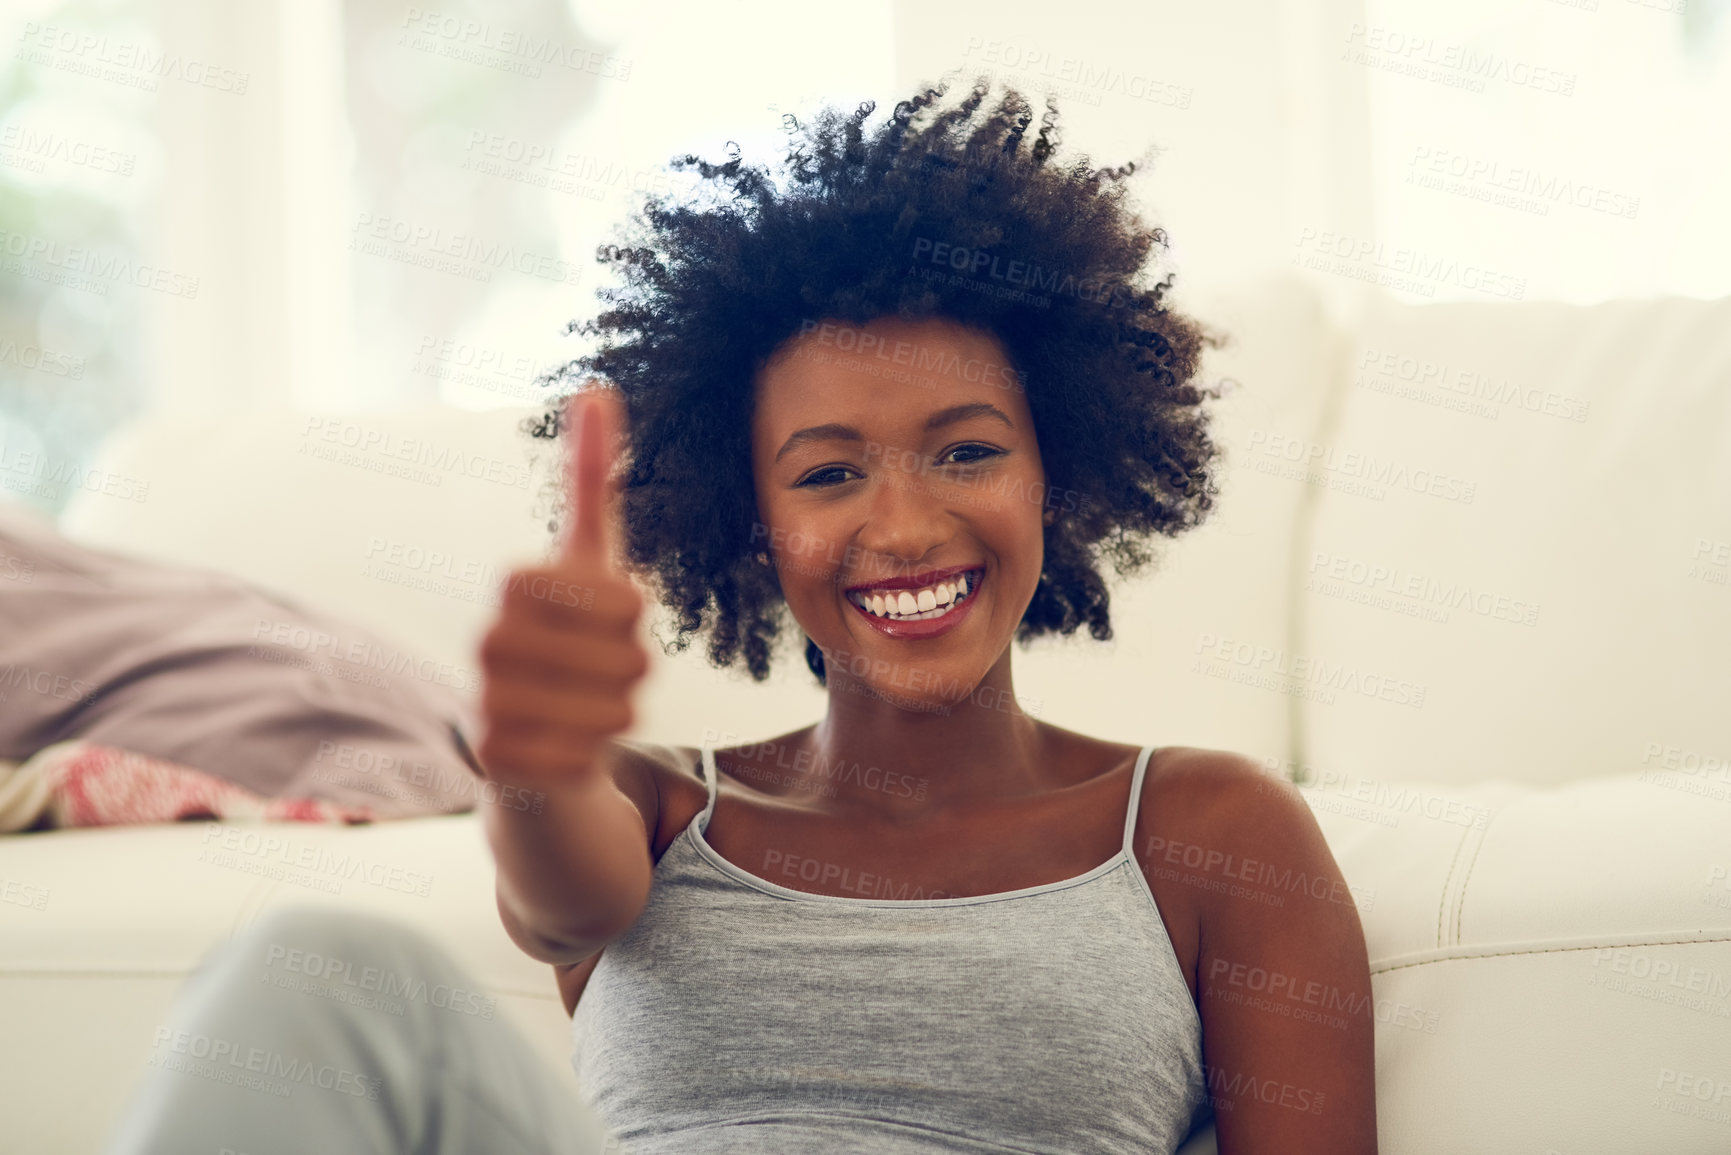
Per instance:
{"type": "Point", "coordinates": [210, 206]}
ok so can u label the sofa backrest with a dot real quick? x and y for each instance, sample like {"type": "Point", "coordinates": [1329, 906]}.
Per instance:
{"type": "Point", "coordinates": [407, 520]}
{"type": "Point", "coordinates": [1517, 566]}
{"type": "Point", "coordinates": [1453, 541]}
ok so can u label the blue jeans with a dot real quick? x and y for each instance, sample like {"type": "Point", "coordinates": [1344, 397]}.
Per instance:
{"type": "Point", "coordinates": [320, 1031]}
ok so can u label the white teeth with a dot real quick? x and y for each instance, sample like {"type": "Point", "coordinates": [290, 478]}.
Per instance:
{"type": "Point", "coordinates": [934, 601]}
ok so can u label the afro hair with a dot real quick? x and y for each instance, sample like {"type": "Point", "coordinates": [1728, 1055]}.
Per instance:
{"type": "Point", "coordinates": [869, 223]}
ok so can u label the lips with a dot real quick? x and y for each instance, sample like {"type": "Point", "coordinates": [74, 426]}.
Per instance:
{"type": "Point", "coordinates": [924, 611]}
{"type": "Point", "coordinates": [914, 581]}
{"type": "Point", "coordinates": [912, 599]}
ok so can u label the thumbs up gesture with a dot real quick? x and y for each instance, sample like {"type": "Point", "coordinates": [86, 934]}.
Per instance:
{"type": "Point", "coordinates": [561, 660]}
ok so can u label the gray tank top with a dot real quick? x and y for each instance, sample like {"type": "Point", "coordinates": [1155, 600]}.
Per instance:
{"type": "Point", "coordinates": [738, 1015]}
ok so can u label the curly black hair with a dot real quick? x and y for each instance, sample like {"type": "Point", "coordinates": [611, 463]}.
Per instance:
{"type": "Point", "coordinates": [711, 291]}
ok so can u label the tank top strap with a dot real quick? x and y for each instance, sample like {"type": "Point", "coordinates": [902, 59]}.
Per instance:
{"type": "Point", "coordinates": [1135, 796]}
{"type": "Point", "coordinates": [711, 779]}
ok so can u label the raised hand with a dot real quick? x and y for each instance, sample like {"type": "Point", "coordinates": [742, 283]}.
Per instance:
{"type": "Point", "coordinates": [561, 661]}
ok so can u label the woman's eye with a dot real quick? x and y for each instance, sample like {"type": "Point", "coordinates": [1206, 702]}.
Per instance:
{"type": "Point", "coordinates": [819, 478]}
{"type": "Point", "coordinates": [977, 452]}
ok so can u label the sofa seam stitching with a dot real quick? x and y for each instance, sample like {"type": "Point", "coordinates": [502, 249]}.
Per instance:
{"type": "Point", "coordinates": [1442, 908]}
{"type": "Point", "coordinates": [1544, 950]}
{"type": "Point", "coordinates": [1461, 902]}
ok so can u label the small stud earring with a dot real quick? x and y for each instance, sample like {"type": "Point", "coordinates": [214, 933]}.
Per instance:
{"type": "Point", "coordinates": [762, 558]}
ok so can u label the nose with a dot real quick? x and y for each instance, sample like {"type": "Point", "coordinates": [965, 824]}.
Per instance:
{"type": "Point", "coordinates": [906, 518]}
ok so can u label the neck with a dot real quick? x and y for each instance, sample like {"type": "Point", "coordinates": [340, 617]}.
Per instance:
{"type": "Point", "coordinates": [895, 754]}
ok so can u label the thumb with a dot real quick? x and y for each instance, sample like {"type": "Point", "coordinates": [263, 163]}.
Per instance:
{"type": "Point", "coordinates": [594, 419]}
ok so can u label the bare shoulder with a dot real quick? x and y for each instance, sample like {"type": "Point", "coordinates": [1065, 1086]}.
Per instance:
{"type": "Point", "coordinates": [672, 772]}
{"type": "Point", "coordinates": [1229, 803]}
{"type": "Point", "coordinates": [1216, 784]}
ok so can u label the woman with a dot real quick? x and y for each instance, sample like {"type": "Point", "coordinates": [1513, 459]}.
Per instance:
{"type": "Point", "coordinates": [913, 396]}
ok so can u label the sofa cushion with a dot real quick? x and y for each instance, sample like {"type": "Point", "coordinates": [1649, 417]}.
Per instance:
{"type": "Point", "coordinates": [1551, 969]}
{"type": "Point", "coordinates": [1521, 545]}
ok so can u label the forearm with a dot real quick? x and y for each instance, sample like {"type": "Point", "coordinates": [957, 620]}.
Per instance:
{"type": "Point", "coordinates": [574, 876]}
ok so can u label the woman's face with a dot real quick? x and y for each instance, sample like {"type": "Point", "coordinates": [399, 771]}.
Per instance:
{"type": "Point", "coordinates": [889, 458]}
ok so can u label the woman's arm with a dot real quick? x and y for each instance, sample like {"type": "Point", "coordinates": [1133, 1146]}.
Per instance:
{"type": "Point", "coordinates": [1283, 975]}
{"type": "Point", "coordinates": [576, 875]}
{"type": "Point", "coordinates": [560, 667]}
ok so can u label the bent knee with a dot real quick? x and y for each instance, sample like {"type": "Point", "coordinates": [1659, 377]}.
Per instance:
{"type": "Point", "coordinates": [340, 938]}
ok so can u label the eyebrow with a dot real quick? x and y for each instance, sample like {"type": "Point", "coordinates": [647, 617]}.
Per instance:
{"type": "Point", "coordinates": [943, 417]}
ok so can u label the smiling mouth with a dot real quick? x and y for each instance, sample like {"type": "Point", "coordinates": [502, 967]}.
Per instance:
{"type": "Point", "coordinates": [933, 601]}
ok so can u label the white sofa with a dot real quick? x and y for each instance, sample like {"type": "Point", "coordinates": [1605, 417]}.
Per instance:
{"type": "Point", "coordinates": [1512, 710]}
